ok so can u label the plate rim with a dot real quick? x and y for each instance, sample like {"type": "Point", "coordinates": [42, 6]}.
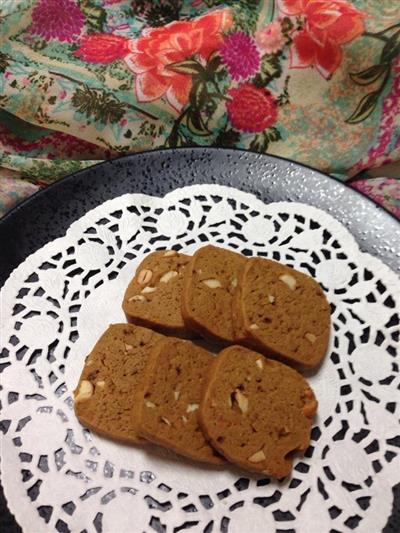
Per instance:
{"type": "Point", "coordinates": [21, 205]}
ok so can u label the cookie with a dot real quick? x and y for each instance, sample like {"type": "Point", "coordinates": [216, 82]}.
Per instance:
{"type": "Point", "coordinates": [256, 411]}
{"type": "Point", "coordinates": [176, 374]}
{"type": "Point", "coordinates": [110, 390]}
{"type": "Point", "coordinates": [153, 297]}
{"type": "Point", "coordinates": [282, 313]}
{"type": "Point", "coordinates": [210, 281]}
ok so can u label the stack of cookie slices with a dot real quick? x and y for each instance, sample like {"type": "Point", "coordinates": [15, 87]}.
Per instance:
{"type": "Point", "coordinates": [249, 405]}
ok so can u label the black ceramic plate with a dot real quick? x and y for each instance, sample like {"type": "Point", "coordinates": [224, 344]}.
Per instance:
{"type": "Point", "coordinates": [47, 215]}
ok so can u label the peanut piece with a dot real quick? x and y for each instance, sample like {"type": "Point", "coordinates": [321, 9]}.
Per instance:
{"type": "Point", "coordinates": [234, 282]}
{"type": "Point", "coordinates": [85, 391]}
{"type": "Point", "coordinates": [166, 421]}
{"type": "Point", "coordinates": [254, 326]}
{"type": "Point", "coordinates": [271, 299]}
{"type": "Point", "coordinates": [150, 404]}
{"type": "Point", "coordinates": [177, 393]}
{"type": "Point", "coordinates": [212, 283]}
{"type": "Point", "coordinates": [144, 276]}
{"type": "Point", "coordinates": [148, 290]}
{"type": "Point", "coordinates": [257, 457]}
{"type": "Point", "coordinates": [128, 347]}
{"type": "Point", "coordinates": [310, 337]}
{"type": "Point", "coordinates": [170, 253]}
{"type": "Point", "coordinates": [184, 419]}
{"type": "Point", "coordinates": [100, 384]}
{"type": "Point", "coordinates": [289, 280]}
{"type": "Point", "coordinates": [168, 276]}
{"type": "Point", "coordinates": [242, 401]}
{"type": "Point", "coordinates": [260, 364]}
{"type": "Point", "coordinates": [136, 298]}
{"type": "Point", "coordinates": [192, 407]}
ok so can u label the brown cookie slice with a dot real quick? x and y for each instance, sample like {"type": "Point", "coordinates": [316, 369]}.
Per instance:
{"type": "Point", "coordinates": [153, 297]}
{"type": "Point", "coordinates": [211, 278]}
{"type": "Point", "coordinates": [176, 375]}
{"type": "Point", "coordinates": [256, 411]}
{"type": "Point", "coordinates": [111, 387]}
{"type": "Point", "coordinates": [282, 313]}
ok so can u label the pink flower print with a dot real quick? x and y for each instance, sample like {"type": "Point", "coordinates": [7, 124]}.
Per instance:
{"type": "Point", "coordinates": [270, 39]}
{"type": "Point", "coordinates": [63, 95]}
{"type": "Point", "coordinates": [240, 54]}
{"type": "Point", "coordinates": [123, 122]}
{"type": "Point", "coordinates": [57, 19]}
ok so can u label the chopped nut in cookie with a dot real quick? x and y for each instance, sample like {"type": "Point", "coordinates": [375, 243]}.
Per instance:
{"type": "Point", "coordinates": [212, 283]}
{"type": "Point", "coordinates": [310, 337]}
{"type": "Point", "coordinates": [137, 298]}
{"type": "Point", "coordinates": [257, 457]}
{"type": "Point", "coordinates": [144, 276]}
{"type": "Point", "coordinates": [148, 290]}
{"type": "Point", "coordinates": [170, 253]}
{"type": "Point", "coordinates": [289, 280]}
{"type": "Point", "coordinates": [85, 391]}
{"type": "Point", "coordinates": [283, 432]}
{"type": "Point", "coordinates": [168, 276]}
{"type": "Point", "coordinates": [254, 326]}
{"type": "Point", "coordinates": [242, 401]}
{"type": "Point", "coordinates": [165, 420]}
{"type": "Point", "coordinates": [150, 404]}
{"type": "Point", "coordinates": [192, 407]}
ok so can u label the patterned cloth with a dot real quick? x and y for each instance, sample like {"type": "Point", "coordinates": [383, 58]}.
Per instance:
{"type": "Point", "coordinates": [317, 81]}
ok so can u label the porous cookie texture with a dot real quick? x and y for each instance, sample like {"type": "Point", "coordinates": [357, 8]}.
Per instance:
{"type": "Point", "coordinates": [176, 374]}
{"type": "Point", "coordinates": [256, 411]}
{"type": "Point", "coordinates": [111, 387]}
{"type": "Point", "coordinates": [153, 297]}
{"type": "Point", "coordinates": [281, 312]}
{"type": "Point", "coordinates": [211, 279]}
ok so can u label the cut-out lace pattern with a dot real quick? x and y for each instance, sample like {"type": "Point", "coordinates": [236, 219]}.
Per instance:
{"type": "Point", "coordinates": [59, 476]}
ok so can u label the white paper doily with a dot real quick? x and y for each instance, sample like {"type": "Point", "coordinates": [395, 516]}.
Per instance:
{"type": "Point", "coordinates": [59, 477]}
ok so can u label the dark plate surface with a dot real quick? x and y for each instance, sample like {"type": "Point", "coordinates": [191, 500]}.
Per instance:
{"type": "Point", "coordinates": [47, 215]}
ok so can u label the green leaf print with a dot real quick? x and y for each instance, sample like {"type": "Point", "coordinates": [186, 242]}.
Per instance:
{"type": "Point", "coordinates": [365, 108]}
{"type": "Point", "coordinates": [391, 49]}
{"type": "Point", "coordinates": [262, 140]}
{"type": "Point", "coordinates": [95, 15]}
{"type": "Point", "coordinates": [4, 61]}
{"type": "Point", "coordinates": [98, 104]}
{"type": "Point", "coordinates": [227, 138]}
{"type": "Point", "coordinates": [369, 75]}
{"type": "Point", "coordinates": [189, 66]}
{"type": "Point", "coordinates": [270, 68]}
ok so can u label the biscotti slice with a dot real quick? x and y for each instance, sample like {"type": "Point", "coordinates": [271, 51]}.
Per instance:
{"type": "Point", "coordinates": [153, 297]}
{"type": "Point", "coordinates": [211, 278]}
{"type": "Point", "coordinates": [176, 374]}
{"type": "Point", "coordinates": [110, 390]}
{"type": "Point", "coordinates": [256, 411]}
{"type": "Point", "coordinates": [282, 313]}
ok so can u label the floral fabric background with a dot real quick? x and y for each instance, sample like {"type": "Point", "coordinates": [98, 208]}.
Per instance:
{"type": "Point", "coordinates": [317, 81]}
